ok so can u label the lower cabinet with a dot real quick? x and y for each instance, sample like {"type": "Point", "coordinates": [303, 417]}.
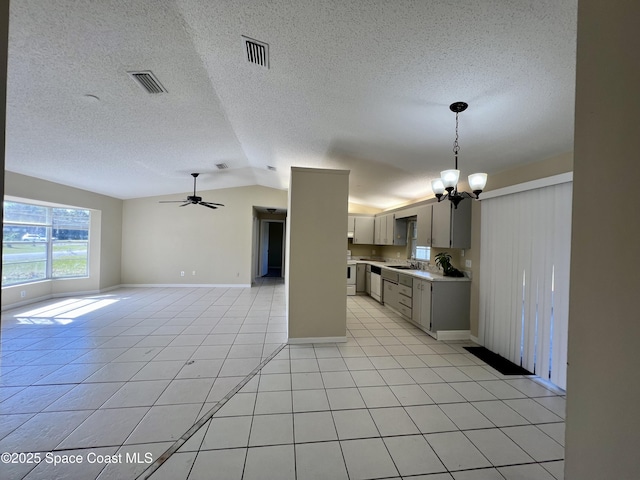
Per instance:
{"type": "Point", "coordinates": [398, 295]}
{"type": "Point", "coordinates": [442, 308]}
{"type": "Point", "coordinates": [361, 277]}
{"type": "Point", "coordinates": [421, 314]}
{"type": "Point", "coordinates": [390, 296]}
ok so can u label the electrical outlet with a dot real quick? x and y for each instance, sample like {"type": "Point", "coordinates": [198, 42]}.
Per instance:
{"type": "Point", "coordinates": [182, 274]}
{"type": "Point", "coordinates": [467, 263]}
{"type": "Point", "coordinates": [193, 273]}
{"type": "Point", "coordinates": [23, 293]}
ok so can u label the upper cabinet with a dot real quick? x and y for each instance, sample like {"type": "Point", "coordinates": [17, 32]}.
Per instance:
{"type": "Point", "coordinates": [363, 230]}
{"type": "Point", "coordinates": [380, 230]}
{"type": "Point", "coordinates": [423, 220]}
{"type": "Point", "coordinates": [351, 225]}
{"type": "Point", "coordinates": [390, 231]}
{"type": "Point", "coordinates": [451, 227]}
{"type": "Point", "coordinates": [399, 231]}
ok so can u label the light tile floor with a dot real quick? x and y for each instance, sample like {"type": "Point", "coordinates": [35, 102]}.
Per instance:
{"type": "Point", "coordinates": [126, 371]}
{"type": "Point", "coordinates": [134, 376]}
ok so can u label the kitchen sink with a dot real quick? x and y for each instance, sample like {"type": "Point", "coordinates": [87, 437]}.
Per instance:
{"type": "Point", "coordinates": [402, 267]}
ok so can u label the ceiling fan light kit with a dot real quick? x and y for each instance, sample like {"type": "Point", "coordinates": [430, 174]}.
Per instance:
{"type": "Point", "coordinates": [194, 199]}
{"type": "Point", "coordinates": [448, 180]}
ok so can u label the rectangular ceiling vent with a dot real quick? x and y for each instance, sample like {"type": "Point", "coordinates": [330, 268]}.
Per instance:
{"type": "Point", "coordinates": [256, 51]}
{"type": "Point", "coordinates": [148, 81]}
{"type": "Point", "coordinates": [222, 166]}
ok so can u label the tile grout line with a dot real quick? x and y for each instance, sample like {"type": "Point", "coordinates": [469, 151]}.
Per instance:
{"type": "Point", "coordinates": [149, 471]}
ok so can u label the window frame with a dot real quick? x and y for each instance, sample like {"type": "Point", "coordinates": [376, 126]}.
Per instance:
{"type": "Point", "coordinates": [25, 227]}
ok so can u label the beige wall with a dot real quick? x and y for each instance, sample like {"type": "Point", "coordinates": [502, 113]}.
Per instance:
{"type": "Point", "coordinates": [603, 384]}
{"type": "Point", "coordinates": [105, 234]}
{"type": "Point", "coordinates": [362, 250]}
{"type": "Point", "coordinates": [357, 208]}
{"type": "Point", "coordinates": [317, 280]}
{"type": "Point", "coordinates": [161, 240]}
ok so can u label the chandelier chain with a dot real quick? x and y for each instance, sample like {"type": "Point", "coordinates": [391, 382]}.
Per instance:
{"type": "Point", "coordinates": [456, 146]}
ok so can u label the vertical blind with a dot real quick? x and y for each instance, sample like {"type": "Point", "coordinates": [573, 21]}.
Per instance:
{"type": "Point", "coordinates": [524, 279]}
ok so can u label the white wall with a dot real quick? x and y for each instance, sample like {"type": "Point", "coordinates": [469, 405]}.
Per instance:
{"type": "Point", "coordinates": [161, 240]}
{"type": "Point", "coordinates": [105, 234]}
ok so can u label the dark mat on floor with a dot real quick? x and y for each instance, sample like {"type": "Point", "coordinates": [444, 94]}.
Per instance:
{"type": "Point", "coordinates": [501, 364]}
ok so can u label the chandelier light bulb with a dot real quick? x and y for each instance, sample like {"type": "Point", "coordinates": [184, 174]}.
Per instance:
{"type": "Point", "coordinates": [477, 181]}
{"type": "Point", "coordinates": [450, 178]}
{"type": "Point", "coordinates": [437, 186]}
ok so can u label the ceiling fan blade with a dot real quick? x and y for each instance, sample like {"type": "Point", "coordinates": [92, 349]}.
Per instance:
{"type": "Point", "coordinates": [172, 201]}
{"type": "Point", "coordinates": [211, 203]}
{"type": "Point", "coordinates": [185, 204]}
{"type": "Point", "coordinates": [204, 204]}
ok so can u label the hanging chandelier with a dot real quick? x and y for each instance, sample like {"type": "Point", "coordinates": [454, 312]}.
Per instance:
{"type": "Point", "coordinates": [449, 178]}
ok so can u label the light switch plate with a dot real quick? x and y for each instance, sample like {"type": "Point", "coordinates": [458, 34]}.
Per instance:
{"type": "Point", "coordinates": [467, 263]}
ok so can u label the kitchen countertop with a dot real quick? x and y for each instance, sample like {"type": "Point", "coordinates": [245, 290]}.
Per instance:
{"type": "Point", "coordinates": [424, 275]}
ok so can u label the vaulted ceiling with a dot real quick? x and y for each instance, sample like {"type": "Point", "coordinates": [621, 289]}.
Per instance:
{"type": "Point", "coordinates": [363, 85]}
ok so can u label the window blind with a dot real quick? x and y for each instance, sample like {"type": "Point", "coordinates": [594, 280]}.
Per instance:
{"type": "Point", "coordinates": [524, 278]}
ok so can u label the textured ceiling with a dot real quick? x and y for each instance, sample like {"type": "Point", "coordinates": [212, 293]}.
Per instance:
{"type": "Point", "coordinates": [363, 85]}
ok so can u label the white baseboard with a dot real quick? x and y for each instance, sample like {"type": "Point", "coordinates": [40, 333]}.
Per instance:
{"type": "Point", "coordinates": [188, 285]}
{"type": "Point", "coordinates": [115, 287]}
{"type": "Point", "coordinates": [26, 302]}
{"type": "Point", "coordinates": [297, 341]}
{"type": "Point", "coordinates": [474, 339]}
{"type": "Point", "coordinates": [72, 294]}
{"type": "Point", "coordinates": [453, 335]}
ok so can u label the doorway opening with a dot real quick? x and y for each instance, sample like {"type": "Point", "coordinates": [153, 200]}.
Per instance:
{"type": "Point", "coordinates": [272, 251]}
{"type": "Point", "coordinates": [269, 243]}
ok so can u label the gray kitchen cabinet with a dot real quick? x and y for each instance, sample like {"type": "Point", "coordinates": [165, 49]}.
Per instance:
{"type": "Point", "coordinates": [450, 306]}
{"type": "Point", "coordinates": [423, 221]}
{"type": "Point", "coordinates": [451, 227]}
{"type": "Point", "coordinates": [379, 229]}
{"type": "Point", "coordinates": [351, 222]}
{"type": "Point", "coordinates": [390, 295]}
{"type": "Point", "coordinates": [363, 230]}
{"type": "Point", "coordinates": [384, 230]}
{"type": "Point", "coordinates": [398, 292]}
{"type": "Point", "coordinates": [405, 295]}
{"type": "Point", "coordinates": [399, 231]}
{"type": "Point", "coordinates": [389, 230]}
{"type": "Point", "coordinates": [421, 313]}
{"type": "Point", "coordinates": [441, 306]}
{"type": "Point", "coordinates": [361, 274]}
{"type": "Point", "coordinates": [367, 280]}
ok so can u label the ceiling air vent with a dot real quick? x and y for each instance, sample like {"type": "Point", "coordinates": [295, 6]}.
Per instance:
{"type": "Point", "coordinates": [148, 81]}
{"type": "Point", "coordinates": [257, 52]}
{"type": "Point", "coordinates": [222, 166]}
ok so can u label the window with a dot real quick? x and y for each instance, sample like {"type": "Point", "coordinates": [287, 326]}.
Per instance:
{"type": "Point", "coordinates": [40, 242]}
{"type": "Point", "coordinates": [417, 252]}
